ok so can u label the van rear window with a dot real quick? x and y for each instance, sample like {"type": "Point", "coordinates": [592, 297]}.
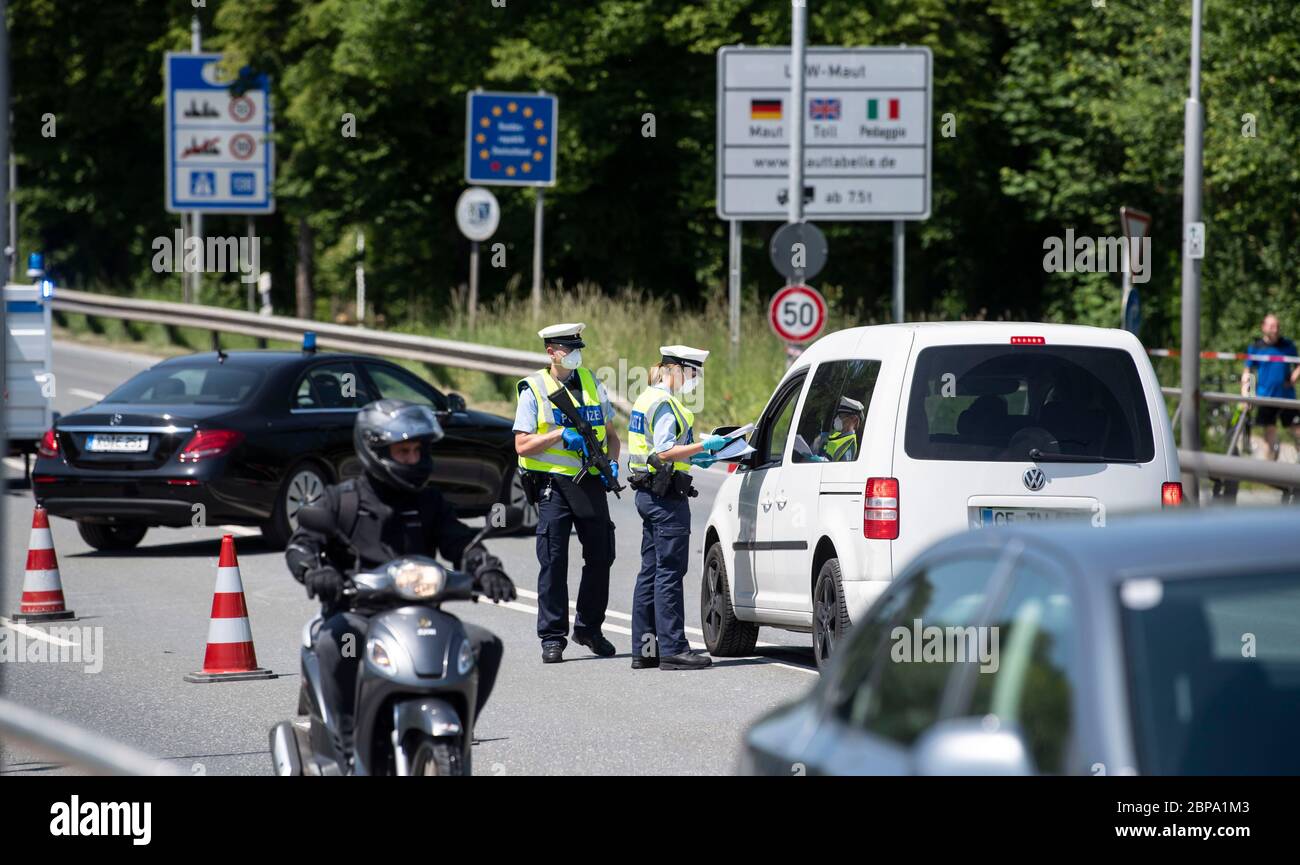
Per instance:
{"type": "Point", "coordinates": [996, 403]}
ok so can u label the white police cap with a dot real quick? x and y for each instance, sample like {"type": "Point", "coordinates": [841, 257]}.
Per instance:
{"type": "Point", "coordinates": [566, 335]}
{"type": "Point", "coordinates": [848, 405]}
{"type": "Point", "coordinates": [684, 355]}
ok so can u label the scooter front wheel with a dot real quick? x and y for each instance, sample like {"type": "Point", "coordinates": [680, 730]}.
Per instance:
{"type": "Point", "coordinates": [436, 757]}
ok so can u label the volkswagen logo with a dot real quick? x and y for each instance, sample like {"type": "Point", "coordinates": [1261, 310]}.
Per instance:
{"type": "Point", "coordinates": [1034, 479]}
{"type": "Point", "coordinates": [117, 419]}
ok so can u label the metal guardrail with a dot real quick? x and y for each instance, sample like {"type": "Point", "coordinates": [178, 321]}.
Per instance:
{"type": "Point", "coordinates": [68, 741]}
{"type": "Point", "coordinates": [1230, 467]}
{"type": "Point", "coordinates": [426, 349]}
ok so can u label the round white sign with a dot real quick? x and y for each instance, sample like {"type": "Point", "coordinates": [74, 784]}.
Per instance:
{"type": "Point", "coordinates": [477, 213]}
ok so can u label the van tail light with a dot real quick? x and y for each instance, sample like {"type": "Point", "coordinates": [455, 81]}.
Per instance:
{"type": "Point", "coordinates": [880, 509]}
{"type": "Point", "coordinates": [49, 446]}
{"type": "Point", "coordinates": [1171, 495]}
{"type": "Point", "coordinates": [208, 443]}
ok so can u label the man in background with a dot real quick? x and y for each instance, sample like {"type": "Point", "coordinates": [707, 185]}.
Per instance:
{"type": "Point", "coordinates": [1273, 378]}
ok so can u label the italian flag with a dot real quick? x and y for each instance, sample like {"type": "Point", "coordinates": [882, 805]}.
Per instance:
{"type": "Point", "coordinates": [873, 109]}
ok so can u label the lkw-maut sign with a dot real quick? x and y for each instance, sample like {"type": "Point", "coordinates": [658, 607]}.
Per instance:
{"type": "Point", "coordinates": [867, 122]}
{"type": "Point", "coordinates": [219, 156]}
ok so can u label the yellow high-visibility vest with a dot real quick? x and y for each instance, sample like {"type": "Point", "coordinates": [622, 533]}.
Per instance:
{"type": "Point", "coordinates": [640, 430]}
{"type": "Point", "coordinates": [839, 445]}
{"type": "Point", "coordinates": [558, 459]}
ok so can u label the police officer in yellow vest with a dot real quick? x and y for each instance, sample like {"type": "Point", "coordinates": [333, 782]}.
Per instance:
{"type": "Point", "coordinates": [550, 451]}
{"type": "Point", "coordinates": [841, 443]}
{"type": "Point", "coordinates": [662, 450]}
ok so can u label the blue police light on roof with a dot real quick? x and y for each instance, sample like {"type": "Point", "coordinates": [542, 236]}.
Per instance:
{"type": "Point", "coordinates": [309, 341]}
{"type": "Point", "coordinates": [35, 265]}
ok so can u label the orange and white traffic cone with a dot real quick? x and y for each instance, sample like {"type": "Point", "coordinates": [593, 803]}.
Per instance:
{"type": "Point", "coordinates": [230, 656]}
{"type": "Point", "coordinates": [42, 599]}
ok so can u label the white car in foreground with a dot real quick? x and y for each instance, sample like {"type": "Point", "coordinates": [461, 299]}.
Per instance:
{"type": "Point", "coordinates": [879, 441]}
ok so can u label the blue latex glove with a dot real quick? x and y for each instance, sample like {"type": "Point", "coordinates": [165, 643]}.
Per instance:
{"type": "Point", "coordinates": [573, 440]}
{"type": "Point", "coordinates": [712, 444]}
{"type": "Point", "coordinates": [613, 468]}
{"type": "Point", "coordinates": [703, 460]}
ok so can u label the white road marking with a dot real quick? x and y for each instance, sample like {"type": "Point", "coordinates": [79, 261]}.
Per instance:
{"type": "Point", "coordinates": [619, 629]}
{"type": "Point", "coordinates": [85, 394]}
{"type": "Point", "coordinates": [33, 632]}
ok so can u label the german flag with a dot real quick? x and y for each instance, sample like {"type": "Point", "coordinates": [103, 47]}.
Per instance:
{"type": "Point", "coordinates": [765, 109]}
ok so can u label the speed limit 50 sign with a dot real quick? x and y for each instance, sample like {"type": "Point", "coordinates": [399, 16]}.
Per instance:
{"type": "Point", "coordinates": [797, 313]}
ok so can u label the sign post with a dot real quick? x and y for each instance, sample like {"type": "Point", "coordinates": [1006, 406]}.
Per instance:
{"type": "Point", "coordinates": [219, 156]}
{"type": "Point", "coordinates": [478, 214]}
{"type": "Point", "coordinates": [1135, 224]}
{"type": "Point", "coordinates": [861, 121]}
{"type": "Point", "coordinates": [510, 141]}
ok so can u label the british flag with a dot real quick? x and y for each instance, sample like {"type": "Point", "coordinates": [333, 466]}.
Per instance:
{"type": "Point", "coordinates": [824, 109]}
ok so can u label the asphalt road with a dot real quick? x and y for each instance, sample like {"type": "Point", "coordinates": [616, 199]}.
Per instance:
{"type": "Point", "coordinates": [586, 716]}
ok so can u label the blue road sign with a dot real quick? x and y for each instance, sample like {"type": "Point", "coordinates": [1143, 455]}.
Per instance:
{"type": "Point", "coordinates": [219, 157]}
{"type": "Point", "coordinates": [510, 138]}
{"type": "Point", "coordinates": [1133, 312]}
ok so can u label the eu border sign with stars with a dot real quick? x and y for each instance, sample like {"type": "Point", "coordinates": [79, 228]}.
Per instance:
{"type": "Point", "coordinates": [510, 138]}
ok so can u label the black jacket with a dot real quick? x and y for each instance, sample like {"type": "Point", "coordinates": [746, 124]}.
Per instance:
{"type": "Point", "coordinates": [388, 524]}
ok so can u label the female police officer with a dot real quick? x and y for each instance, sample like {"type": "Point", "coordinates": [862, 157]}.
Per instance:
{"type": "Point", "coordinates": [662, 451]}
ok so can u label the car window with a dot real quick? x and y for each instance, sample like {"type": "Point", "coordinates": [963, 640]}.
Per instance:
{"type": "Point", "coordinates": [1214, 673]}
{"type": "Point", "coordinates": [774, 427]}
{"type": "Point", "coordinates": [187, 385]}
{"type": "Point", "coordinates": [895, 680]}
{"type": "Point", "coordinates": [330, 386]}
{"type": "Point", "coordinates": [1034, 674]}
{"type": "Point", "coordinates": [835, 411]}
{"type": "Point", "coordinates": [395, 383]}
{"type": "Point", "coordinates": [999, 402]}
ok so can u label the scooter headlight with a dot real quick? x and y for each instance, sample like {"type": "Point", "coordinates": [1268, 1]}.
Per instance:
{"type": "Point", "coordinates": [418, 580]}
{"type": "Point", "coordinates": [380, 657]}
{"type": "Point", "coordinates": [465, 660]}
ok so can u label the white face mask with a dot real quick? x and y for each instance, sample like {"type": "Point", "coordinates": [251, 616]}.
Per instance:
{"type": "Point", "coordinates": [690, 385]}
{"type": "Point", "coordinates": [838, 424]}
{"type": "Point", "coordinates": [572, 360]}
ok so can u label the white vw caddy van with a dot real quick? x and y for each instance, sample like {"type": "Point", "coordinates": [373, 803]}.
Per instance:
{"type": "Point", "coordinates": [881, 440]}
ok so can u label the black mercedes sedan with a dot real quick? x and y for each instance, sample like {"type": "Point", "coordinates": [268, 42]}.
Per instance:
{"type": "Point", "coordinates": [248, 438]}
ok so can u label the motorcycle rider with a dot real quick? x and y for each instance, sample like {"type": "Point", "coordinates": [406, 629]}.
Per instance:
{"type": "Point", "coordinates": [387, 512]}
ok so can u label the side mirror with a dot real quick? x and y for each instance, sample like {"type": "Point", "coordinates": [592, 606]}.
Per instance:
{"type": "Point", "coordinates": [456, 403]}
{"type": "Point", "coordinates": [972, 746]}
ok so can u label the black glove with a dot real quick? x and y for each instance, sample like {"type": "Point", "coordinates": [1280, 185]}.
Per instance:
{"type": "Point", "coordinates": [492, 583]}
{"type": "Point", "coordinates": [324, 583]}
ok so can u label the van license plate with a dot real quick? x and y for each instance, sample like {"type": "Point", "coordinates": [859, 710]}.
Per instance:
{"type": "Point", "coordinates": [118, 444]}
{"type": "Point", "coordinates": [981, 517]}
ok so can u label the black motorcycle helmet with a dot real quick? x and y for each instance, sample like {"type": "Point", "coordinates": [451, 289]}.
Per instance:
{"type": "Point", "coordinates": [389, 421]}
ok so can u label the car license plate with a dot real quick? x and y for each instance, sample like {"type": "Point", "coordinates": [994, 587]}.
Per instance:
{"type": "Point", "coordinates": [981, 517]}
{"type": "Point", "coordinates": [118, 444]}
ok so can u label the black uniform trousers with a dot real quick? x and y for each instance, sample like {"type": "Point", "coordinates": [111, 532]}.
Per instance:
{"type": "Point", "coordinates": [566, 506]}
